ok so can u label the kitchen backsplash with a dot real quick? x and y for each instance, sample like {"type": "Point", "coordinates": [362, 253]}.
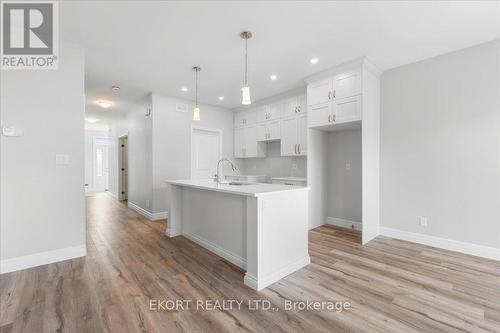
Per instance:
{"type": "Point", "coordinates": [275, 165]}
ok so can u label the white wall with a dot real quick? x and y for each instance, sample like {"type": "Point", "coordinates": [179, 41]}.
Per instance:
{"type": "Point", "coordinates": [117, 128]}
{"type": "Point", "coordinates": [344, 186]}
{"type": "Point", "coordinates": [440, 146]}
{"type": "Point", "coordinates": [316, 176]}
{"type": "Point", "coordinates": [42, 204]}
{"type": "Point", "coordinates": [172, 141]}
{"type": "Point", "coordinates": [274, 165]}
{"type": "Point", "coordinates": [140, 168]}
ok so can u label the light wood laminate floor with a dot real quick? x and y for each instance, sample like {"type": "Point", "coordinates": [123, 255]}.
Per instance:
{"type": "Point", "coordinates": [393, 286]}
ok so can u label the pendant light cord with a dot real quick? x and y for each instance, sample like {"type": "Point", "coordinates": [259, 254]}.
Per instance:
{"type": "Point", "coordinates": [196, 88]}
{"type": "Point", "coordinates": [246, 62]}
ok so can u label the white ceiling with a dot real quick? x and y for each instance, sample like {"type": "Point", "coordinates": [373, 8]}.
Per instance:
{"type": "Point", "coordinates": [152, 45]}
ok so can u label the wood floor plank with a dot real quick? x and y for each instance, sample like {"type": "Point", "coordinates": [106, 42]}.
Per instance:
{"type": "Point", "coordinates": [391, 285]}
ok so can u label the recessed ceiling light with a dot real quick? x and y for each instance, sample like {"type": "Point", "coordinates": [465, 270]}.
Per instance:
{"type": "Point", "coordinates": [184, 89]}
{"type": "Point", "coordinates": [221, 98]}
{"type": "Point", "coordinates": [273, 77]}
{"type": "Point", "coordinates": [314, 60]}
{"type": "Point", "coordinates": [91, 120]}
{"type": "Point", "coordinates": [115, 88]}
{"type": "Point", "coordinates": [104, 104]}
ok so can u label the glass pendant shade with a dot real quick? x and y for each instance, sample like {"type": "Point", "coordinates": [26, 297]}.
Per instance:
{"type": "Point", "coordinates": [245, 95]}
{"type": "Point", "coordinates": [196, 113]}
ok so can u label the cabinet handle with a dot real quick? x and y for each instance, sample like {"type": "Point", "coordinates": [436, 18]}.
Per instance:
{"type": "Point", "coordinates": [298, 108]}
{"type": "Point", "coordinates": [333, 118]}
{"type": "Point", "coordinates": [333, 93]}
{"type": "Point", "coordinates": [295, 148]}
{"type": "Point", "coordinates": [329, 118]}
{"type": "Point", "coordinates": [298, 148]}
{"type": "Point", "coordinates": [329, 95]}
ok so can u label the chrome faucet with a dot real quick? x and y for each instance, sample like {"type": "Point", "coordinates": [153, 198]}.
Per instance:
{"type": "Point", "coordinates": [218, 176]}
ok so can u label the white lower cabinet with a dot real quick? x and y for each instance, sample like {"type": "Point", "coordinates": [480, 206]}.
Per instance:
{"type": "Point", "coordinates": [246, 144]}
{"type": "Point", "coordinates": [294, 135]}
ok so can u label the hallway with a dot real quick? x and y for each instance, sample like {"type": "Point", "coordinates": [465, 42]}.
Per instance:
{"type": "Point", "coordinates": [393, 286]}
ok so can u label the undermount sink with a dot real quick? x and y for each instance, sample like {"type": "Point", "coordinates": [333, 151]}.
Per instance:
{"type": "Point", "coordinates": [239, 183]}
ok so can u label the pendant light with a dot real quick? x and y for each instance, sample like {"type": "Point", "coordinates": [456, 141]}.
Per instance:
{"type": "Point", "coordinates": [245, 90]}
{"type": "Point", "coordinates": [196, 111]}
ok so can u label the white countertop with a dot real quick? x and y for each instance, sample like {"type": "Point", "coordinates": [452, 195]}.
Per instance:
{"type": "Point", "coordinates": [253, 190]}
{"type": "Point", "coordinates": [240, 175]}
{"type": "Point", "coordinates": [293, 179]}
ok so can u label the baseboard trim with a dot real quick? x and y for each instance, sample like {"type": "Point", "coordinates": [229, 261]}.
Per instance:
{"type": "Point", "coordinates": [232, 258]}
{"type": "Point", "coordinates": [263, 282]}
{"type": "Point", "coordinates": [344, 223]}
{"type": "Point", "coordinates": [42, 258]}
{"type": "Point", "coordinates": [159, 216]}
{"type": "Point", "coordinates": [150, 216]}
{"type": "Point", "coordinates": [443, 243]}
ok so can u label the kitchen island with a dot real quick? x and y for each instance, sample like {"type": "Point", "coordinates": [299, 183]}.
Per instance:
{"type": "Point", "coordinates": [262, 228]}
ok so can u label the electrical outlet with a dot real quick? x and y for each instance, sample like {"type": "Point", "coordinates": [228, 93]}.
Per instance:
{"type": "Point", "coordinates": [348, 166]}
{"type": "Point", "coordinates": [147, 203]}
{"type": "Point", "coordinates": [423, 221]}
{"type": "Point", "coordinates": [294, 166]}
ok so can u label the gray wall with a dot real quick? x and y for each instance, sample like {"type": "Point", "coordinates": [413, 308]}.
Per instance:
{"type": "Point", "coordinates": [42, 204]}
{"type": "Point", "coordinates": [440, 146]}
{"type": "Point", "coordinates": [172, 141]}
{"type": "Point", "coordinates": [344, 186]}
{"type": "Point", "coordinates": [140, 167]}
{"type": "Point", "coordinates": [274, 164]}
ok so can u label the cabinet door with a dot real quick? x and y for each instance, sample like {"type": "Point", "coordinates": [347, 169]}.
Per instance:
{"type": "Point", "coordinates": [289, 136]}
{"type": "Point", "coordinates": [250, 145]}
{"type": "Point", "coordinates": [302, 104]}
{"type": "Point", "coordinates": [347, 85]}
{"type": "Point", "coordinates": [261, 114]}
{"type": "Point", "coordinates": [262, 133]}
{"type": "Point", "coordinates": [274, 111]}
{"type": "Point", "coordinates": [239, 119]}
{"type": "Point", "coordinates": [320, 114]}
{"type": "Point", "coordinates": [319, 92]}
{"type": "Point", "coordinates": [347, 109]}
{"type": "Point", "coordinates": [302, 134]}
{"type": "Point", "coordinates": [239, 141]}
{"type": "Point", "coordinates": [290, 107]}
{"type": "Point", "coordinates": [273, 130]}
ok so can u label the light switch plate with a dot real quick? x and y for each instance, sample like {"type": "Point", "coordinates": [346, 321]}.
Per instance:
{"type": "Point", "coordinates": [12, 131]}
{"type": "Point", "coordinates": [62, 159]}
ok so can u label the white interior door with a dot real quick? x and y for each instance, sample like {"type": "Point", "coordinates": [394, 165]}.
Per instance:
{"type": "Point", "coordinates": [205, 153]}
{"type": "Point", "coordinates": [100, 157]}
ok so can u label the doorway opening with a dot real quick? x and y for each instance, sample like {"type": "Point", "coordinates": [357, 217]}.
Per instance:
{"type": "Point", "coordinates": [123, 168]}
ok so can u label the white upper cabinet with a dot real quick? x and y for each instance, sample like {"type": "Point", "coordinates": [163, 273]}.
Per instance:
{"type": "Point", "coordinates": [246, 144]}
{"type": "Point", "coordinates": [302, 134]}
{"type": "Point", "coordinates": [294, 135]}
{"type": "Point", "coordinates": [347, 85]}
{"type": "Point", "coordinates": [289, 136]}
{"type": "Point", "coordinates": [320, 114]}
{"type": "Point", "coordinates": [294, 106]}
{"type": "Point", "coordinates": [269, 112]}
{"type": "Point", "coordinates": [347, 109]}
{"type": "Point", "coordinates": [244, 118]}
{"type": "Point", "coordinates": [239, 142]}
{"type": "Point", "coordinates": [342, 103]}
{"type": "Point", "coordinates": [319, 92]}
{"type": "Point", "coordinates": [269, 131]}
